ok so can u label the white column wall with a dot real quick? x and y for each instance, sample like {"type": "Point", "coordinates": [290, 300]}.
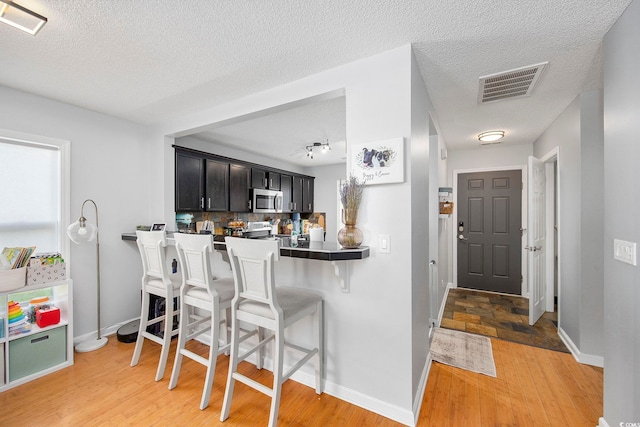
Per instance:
{"type": "Point", "coordinates": [369, 330]}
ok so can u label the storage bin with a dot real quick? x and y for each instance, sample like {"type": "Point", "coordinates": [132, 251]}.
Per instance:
{"type": "Point", "coordinates": [37, 352]}
{"type": "Point", "coordinates": [46, 273]}
{"type": "Point", "coordinates": [12, 279]}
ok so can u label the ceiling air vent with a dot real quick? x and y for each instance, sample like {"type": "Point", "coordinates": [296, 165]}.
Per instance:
{"type": "Point", "coordinates": [509, 84]}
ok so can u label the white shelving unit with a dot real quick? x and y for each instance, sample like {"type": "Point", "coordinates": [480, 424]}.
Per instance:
{"type": "Point", "coordinates": [40, 351]}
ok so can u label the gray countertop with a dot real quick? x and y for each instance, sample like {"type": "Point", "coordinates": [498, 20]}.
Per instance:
{"type": "Point", "coordinates": [323, 251]}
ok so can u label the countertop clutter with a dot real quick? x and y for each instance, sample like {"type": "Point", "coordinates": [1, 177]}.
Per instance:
{"type": "Point", "coordinates": [323, 251]}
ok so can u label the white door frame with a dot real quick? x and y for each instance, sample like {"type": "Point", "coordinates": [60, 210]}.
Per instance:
{"type": "Point", "coordinates": [552, 198]}
{"type": "Point", "coordinates": [454, 234]}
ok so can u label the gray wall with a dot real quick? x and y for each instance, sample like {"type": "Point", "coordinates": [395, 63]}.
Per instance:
{"type": "Point", "coordinates": [622, 211]}
{"type": "Point", "coordinates": [578, 134]}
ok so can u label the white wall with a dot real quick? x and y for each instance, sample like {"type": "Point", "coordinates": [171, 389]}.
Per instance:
{"type": "Point", "coordinates": [109, 164]}
{"type": "Point", "coordinates": [369, 330]}
{"type": "Point", "coordinates": [578, 132]}
{"type": "Point", "coordinates": [622, 210]}
{"type": "Point", "coordinates": [325, 197]}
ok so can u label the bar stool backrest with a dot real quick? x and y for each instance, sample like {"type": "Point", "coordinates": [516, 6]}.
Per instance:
{"type": "Point", "coordinates": [152, 246]}
{"type": "Point", "coordinates": [194, 252]}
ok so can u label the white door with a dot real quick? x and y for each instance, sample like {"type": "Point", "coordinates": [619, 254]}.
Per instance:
{"type": "Point", "coordinates": [536, 241]}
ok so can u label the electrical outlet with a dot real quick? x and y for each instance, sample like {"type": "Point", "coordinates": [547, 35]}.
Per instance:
{"type": "Point", "coordinates": [384, 244]}
{"type": "Point", "coordinates": [624, 251]}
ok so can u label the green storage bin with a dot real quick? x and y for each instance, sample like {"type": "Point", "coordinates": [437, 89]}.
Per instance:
{"type": "Point", "coordinates": [37, 352]}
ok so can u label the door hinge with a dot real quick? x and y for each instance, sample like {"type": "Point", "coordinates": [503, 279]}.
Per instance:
{"type": "Point", "coordinates": [521, 278]}
{"type": "Point", "coordinates": [522, 185]}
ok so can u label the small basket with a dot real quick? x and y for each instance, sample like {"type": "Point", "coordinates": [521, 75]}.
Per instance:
{"type": "Point", "coordinates": [446, 208]}
{"type": "Point", "coordinates": [12, 279]}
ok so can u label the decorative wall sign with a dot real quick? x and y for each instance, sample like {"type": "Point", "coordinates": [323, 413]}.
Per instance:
{"type": "Point", "coordinates": [379, 162]}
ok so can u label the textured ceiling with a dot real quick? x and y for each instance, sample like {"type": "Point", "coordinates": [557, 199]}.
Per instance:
{"type": "Point", "coordinates": [149, 60]}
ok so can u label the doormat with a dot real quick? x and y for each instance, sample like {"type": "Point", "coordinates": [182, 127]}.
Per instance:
{"type": "Point", "coordinates": [462, 350]}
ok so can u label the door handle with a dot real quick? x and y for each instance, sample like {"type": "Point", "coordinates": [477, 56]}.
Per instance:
{"type": "Point", "coordinates": [533, 248]}
{"type": "Point", "coordinates": [461, 237]}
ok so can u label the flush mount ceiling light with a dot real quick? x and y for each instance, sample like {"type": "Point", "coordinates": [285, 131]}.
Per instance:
{"type": "Point", "coordinates": [491, 136]}
{"type": "Point", "coordinates": [20, 17]}
{"type": "Point", "coordinates": [322, 146]}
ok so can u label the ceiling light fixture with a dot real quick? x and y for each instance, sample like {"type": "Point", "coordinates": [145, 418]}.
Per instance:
{"type": "Point", "coordinates": [491, 136]}
{"type": "Point", "coordinates": [322, 146]}
{"type": "Point", "coordinates": [20, 17]}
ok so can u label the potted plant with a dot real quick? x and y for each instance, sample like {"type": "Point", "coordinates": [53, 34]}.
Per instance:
{"type": "Point", "coordinates": [350, 237]}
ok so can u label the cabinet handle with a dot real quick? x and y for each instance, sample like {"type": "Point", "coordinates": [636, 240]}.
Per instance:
{"type": "Point", "coordinates": [202, 203]}
{"type": "Point", "coordinates": [42, 338]}
{"type": "Point", "coordinates": [209, 203]}
{"type": "Point", "coordinates": [265, 183]}
{"type": "Point", "coordinates": [249, 204]}
{"type": "Point", "coordinates": [270, 183]}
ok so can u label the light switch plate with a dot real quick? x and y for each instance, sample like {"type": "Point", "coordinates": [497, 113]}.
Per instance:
{"type": "Point", "coordinates": [624, 251]}
{"type": "Point", "coordinates": [384, 244]}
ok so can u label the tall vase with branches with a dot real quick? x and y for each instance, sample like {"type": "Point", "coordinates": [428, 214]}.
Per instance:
{"type": "Point", "coordinates": [350, 237]}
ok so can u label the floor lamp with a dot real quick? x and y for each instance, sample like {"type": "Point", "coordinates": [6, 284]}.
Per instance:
{"type": "Point", "coordinates": [80, 232]}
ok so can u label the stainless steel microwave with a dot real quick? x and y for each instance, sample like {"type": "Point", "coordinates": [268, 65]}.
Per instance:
{"type": "Point", "coordinates": [266, 201]}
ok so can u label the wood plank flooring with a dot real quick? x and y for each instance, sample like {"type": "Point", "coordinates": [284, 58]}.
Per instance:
{"type": "Point", "coordinates": [535, 387]}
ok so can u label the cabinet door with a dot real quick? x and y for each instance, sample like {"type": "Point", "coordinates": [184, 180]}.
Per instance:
{"type": "Point", "coordinates": [216, 186]}
{"type": "Point", "coordinates": [286, 183]}
{"type": "Point", "coordinates": [189, 182]}
{"type": "Point", "coordinates": [307, 195]}
{"type": "Point", "coordinates": [239, 182]}
{"type": "Point", "coordinates": [273, 181]}
{"type": "Point", "coordinates": [296, 194]}
{"type": "Point", "coordinates": [258, 178]}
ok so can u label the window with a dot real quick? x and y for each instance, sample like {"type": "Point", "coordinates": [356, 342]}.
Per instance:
{"type": "Point", "coordinates": [33, 192]}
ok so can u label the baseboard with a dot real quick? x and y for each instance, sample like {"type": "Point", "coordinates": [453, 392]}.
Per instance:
{"type": "Point", "coordinates": [602, 423]}
{"type": "Point", "coordinates": [443, 303]}
{"type": "Point", "coordinates": [586, 359]}
{"type": "Point", "coordinates": [422, 386]}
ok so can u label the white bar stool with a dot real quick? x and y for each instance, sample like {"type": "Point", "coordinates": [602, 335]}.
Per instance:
{"type": "Point", "coordinates": [259, 302]}
{"type": "Point", "coordinates": [156, 280]}
{"type": "Point", "coordinates": [200, 290]}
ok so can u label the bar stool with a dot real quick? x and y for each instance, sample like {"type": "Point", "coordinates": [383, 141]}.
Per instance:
{"type": "Point", "coordinates": [259, 302]}
{"type": "Point", "coordinates": [199, 290]}
{"type": "Point", "coordinates": [156, 280]}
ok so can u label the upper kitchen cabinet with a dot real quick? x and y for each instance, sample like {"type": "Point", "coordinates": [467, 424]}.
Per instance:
{"type": "Point", "coordinates": [239, 185]}
{"type": "Point", "coordinates": [301, 194]}
{"type": "Point", "coordinates": [307, 194]}
{"type": "Point", "coordinates": [216, 186]}
{"type": "Point", "coordinates": [286, 186]}
{"type": "Point", "coordinates": [189, 182]}
{"type": "Point", "coordinates": [201, 184]}
{"type": "Point", "coordinates": [262, 178]}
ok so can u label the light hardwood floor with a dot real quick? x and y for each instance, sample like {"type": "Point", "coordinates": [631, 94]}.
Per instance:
{"type": "Point", "coordinates": [535, 387]}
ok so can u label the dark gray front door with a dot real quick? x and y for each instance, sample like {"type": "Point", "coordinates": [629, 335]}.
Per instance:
{"type": "Point", "coordinates": [488, 230]}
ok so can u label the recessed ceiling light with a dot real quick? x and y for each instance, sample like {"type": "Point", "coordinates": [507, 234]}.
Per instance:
{"type": "Point", "coordinates": [20, 17]}
{"type": "Point", "coordinates": [490, 136]}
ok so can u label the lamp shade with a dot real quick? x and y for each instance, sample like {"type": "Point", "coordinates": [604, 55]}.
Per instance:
{"type": "Point", "coordinates": [82, 231]}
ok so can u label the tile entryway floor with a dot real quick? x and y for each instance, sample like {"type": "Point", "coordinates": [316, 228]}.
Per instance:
{"type": "Point", "coordinates": [500, 316]}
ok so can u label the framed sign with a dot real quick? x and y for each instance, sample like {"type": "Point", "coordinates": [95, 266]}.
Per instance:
{"type": "Point", "coordinates": [380, 162]}
{"type": "Point", "coordinates": [158, 227]}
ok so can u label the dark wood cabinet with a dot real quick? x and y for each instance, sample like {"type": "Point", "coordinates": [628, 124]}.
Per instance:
{"type": "Point", "coordinates": [189, 183]}
{"type": "Point", "coordinates": [239, 185]}
{"type": "Point", "coordinates": [296, 194]}
{"type": "Point", "coordinates": [206, 182]}
{"type": "Point", "coordinates": [262, 178]}
{"type": "Point", "coordinates": [307, 195]}
{"type": "Point", "coordinates": [286, 185]}
{"type": "Point", "coordinates": [216, 197]}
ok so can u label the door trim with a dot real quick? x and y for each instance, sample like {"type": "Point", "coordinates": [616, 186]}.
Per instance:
{"type": "Point", "coordinates": [454, 227]}
{"type": "Point", "coordinates": [553, 156]}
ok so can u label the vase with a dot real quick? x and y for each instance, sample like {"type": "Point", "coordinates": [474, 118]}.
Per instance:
{"type": "Point", "coordinates": [350, 236]}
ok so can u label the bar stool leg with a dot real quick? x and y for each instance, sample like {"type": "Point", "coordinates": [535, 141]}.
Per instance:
{"type": "Point", "coordinates": [144, 316]}
{"type": "Point", "coordinates": [233, 367]}
{"type": "Point", "coordinates": [168, 331]}
{"type": "Point", "coordinates": [213, 356]}
{"type": "Point", "coordinates": [277, 376]}
{"type": "Point", "coordinates": [320, 356]}
{"type": "Point", "coordinates": [182, 339]}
